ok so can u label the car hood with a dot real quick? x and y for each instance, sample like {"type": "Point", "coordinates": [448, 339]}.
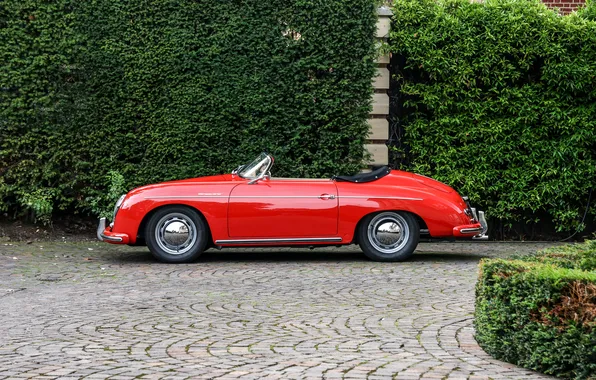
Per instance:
{"type": "Point", "coordinates": [156, 187]}
{"type": "Point", "coordinates": [208, 179]}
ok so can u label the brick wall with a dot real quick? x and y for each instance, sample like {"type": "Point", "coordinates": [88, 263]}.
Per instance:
{"type": "Point", "coordinates": [564, 6]}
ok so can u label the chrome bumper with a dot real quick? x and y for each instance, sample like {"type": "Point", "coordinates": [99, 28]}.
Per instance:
{"type": "Point", "coordinates": [100, 232]}
{"type": "Point", "coordinates": [479, 215]}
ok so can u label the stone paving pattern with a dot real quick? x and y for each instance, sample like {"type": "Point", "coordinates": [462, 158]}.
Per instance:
{"type": "Point", "coordinates": [95, 311]}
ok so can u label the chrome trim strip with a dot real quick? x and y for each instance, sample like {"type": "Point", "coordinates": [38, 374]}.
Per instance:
{"type": "Point", "coordinates": [377, 197]}
{"type": "Point", "coordinates": [279, 196]}
{"type": "Point", "coordinates": [110, 238]}
{"type": "Point", "coordinates": [284, 240]}
{"type": "Point", "coordinates": [470, 230]}
{"type": "Point", "coordinates": [185, 196]}
{"type": "Point", "coordinates": [275, 196]}
{"type": "Point", "coordinates": [234, 196]}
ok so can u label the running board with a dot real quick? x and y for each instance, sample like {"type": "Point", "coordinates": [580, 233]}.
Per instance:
{"type": "Point", "coordinates": [283, 241]}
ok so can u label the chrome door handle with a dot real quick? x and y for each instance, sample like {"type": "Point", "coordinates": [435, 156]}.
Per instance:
{"type": "Point", "coordinates": [326, 196]}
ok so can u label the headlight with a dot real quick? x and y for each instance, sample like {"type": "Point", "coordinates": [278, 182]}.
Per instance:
{"type": "Point", "coordinates": [118, 206]}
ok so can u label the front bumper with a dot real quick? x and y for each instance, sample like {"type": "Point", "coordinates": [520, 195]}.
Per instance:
{"type": "Point", "coordinates": [477, 231]}
{"type": "Point", "coordinates": [105, 234]}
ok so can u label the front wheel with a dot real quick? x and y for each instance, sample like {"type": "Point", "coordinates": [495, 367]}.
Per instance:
{"type": "Point", "coordinates": [389, 236]}
{"type": "Point", "coordinates": [176, 235]}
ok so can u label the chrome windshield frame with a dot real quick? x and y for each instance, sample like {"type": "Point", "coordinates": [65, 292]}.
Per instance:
{"type": "Point", "coordinates": [258, 168]}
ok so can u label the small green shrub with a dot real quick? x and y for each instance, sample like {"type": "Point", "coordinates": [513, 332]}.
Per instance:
{"type": "Point", "coordinates": [572, 256]}
{"type": "Point", "coordinates": [540, 312]}
{"type": "Point", "coordinates": [588, 11]}
{"type": "Point", "coordinates": [102, 204]}
{"type": "Point", "coordinates": [38, 206]}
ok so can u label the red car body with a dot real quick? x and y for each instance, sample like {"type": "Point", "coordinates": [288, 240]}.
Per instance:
{"type": "Point", "coordinates": [285, 211]}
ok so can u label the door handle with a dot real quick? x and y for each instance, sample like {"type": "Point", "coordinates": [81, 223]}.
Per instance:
{"type": "Point", "coordinates": [326, 196]}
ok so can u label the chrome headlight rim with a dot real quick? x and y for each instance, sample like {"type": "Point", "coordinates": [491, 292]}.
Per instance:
{"type": "Point", "coordinates": [117, 207]}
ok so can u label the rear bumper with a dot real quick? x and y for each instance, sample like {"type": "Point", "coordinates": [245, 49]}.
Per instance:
{"type": "Point", "coordinates": [104, 233]}
{"type": "Point", "coordinates": [476, 231]}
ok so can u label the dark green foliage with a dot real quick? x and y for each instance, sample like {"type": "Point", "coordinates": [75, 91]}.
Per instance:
{"type": "Point", "coordinates": [37, 49]}
{"type": "Point", "coordinates": [540, 312]}
{"type": "Point", "coordinates": [588, 12]}
{"type": "Point", "coordinates": [572, 256]}
{"type": "Point", "coordinates": [500, 102]}
{"type": "Point", "coordinates": [157, 90]}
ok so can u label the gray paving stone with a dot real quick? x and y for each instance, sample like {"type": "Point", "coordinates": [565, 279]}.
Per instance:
{"type": "Point", "coordinates": [114, 312]}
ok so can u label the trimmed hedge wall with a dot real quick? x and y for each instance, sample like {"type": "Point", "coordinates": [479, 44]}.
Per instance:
{"type": "Point", "coordinates": [104, 94]}
{"type": "Point", "coordinates": [499, 101]}
{"type": "Point", "coordinates": [540, 312]}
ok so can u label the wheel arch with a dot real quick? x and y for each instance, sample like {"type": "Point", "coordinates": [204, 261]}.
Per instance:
{"type": "Point", "coordinates": [421, 223]}
{"type": "Point", "coordinates": [147, 217]}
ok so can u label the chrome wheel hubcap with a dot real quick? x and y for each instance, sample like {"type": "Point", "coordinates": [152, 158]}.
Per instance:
{"type": "Point", "coordinates": [176, 234]}
{"type": "Point", "coordinates": [388, 232]}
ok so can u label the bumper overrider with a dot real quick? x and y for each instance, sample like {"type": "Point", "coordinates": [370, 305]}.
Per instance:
{"type": "Point", "coordinates": [104, 233]}
{"type": "Point", "coordinates": [477, 230]}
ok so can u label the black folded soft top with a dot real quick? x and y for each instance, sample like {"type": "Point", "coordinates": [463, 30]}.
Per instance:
{"type": "Point", "coordinates": [364, 177]}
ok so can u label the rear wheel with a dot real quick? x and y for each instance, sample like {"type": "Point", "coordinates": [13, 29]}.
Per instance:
{"type": "Point", "coordinates": [389, 236]}
{"type": "Point", "coordinates": [176, 235]}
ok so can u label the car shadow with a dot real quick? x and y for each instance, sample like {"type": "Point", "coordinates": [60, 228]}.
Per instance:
{"type": "Point", "coordinates": [143, 256]}
{"type": "Point", "coordinates": [240, 255]}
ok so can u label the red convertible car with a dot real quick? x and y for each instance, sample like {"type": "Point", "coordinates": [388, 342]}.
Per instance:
{"type": "Point", "coordinates": [384, 211]}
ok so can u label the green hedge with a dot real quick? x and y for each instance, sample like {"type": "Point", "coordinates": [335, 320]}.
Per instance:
{"type": "Point", "coordinates": [113, 94]}
{"type": "Point", "coordinates": [540, 312]}
{"type": "Point", "coordinates": [499, 100]}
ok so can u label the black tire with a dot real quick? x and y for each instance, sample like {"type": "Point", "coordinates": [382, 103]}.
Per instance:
{"type": "Point", "coordinates": [398, 240]}
{"type": "Point", "coordinates": [176, 234]}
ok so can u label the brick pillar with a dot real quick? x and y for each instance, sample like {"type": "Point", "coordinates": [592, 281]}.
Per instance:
{"type": "Point", "coordinates": [379, 124]}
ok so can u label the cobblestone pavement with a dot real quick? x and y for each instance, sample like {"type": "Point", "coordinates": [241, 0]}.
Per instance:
{"type": "Point", "coordinates": [74, 310]}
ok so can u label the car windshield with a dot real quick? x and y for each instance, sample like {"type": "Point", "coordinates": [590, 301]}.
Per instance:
{"type": "Point", "coordinates": [256, 168]}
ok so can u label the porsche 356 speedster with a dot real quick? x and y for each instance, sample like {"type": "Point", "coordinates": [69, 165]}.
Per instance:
{"type": "Point", "coordinates": [384, 211]}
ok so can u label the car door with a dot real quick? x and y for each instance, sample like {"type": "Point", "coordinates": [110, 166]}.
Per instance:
{"type": "Point", "coordinates": [283, 208]}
